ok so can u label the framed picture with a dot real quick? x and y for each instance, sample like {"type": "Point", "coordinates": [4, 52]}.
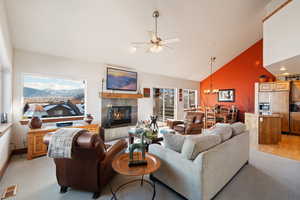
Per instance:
{"type": "Point", "coordinates": [226, 95]}
{"type": "Point", "coordinates": [118, 79]}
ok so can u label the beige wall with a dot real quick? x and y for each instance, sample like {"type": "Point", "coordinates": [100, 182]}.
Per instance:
{"type": "Point", "coordinates": [28, 62]}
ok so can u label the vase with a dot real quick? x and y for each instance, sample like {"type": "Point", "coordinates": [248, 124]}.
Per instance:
{"type": "Point", "coordinates": [35, 123]}
{"type": "Point", "coordinates": [89, 118]}
{"type": "Point", "coordinates": [263, 79]}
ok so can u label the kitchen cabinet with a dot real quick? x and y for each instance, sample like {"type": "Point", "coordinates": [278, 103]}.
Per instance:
{"type": "Point", "coordinates": [266, 87]}
{"type": "Point", "coordinates": [282, 86]}
{"type": "Point", "coordinates": [295, 122]}
{"type": "Point", "coordinates": [280, 104]}
{"type": "Point", "coordinates": [269, 129]}
{"type": "Point", "coordinates": [296, 91]}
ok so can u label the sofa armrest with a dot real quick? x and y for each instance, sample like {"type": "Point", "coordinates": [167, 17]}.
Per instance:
{"type": "Point", "coordinates": [190, 127]}
{"type": "Point", "coordinates": [118, 147]}
{"type": "Point", "coordinates": [177, 172]}
{"type": "Point", "coordinates": [172, 123]}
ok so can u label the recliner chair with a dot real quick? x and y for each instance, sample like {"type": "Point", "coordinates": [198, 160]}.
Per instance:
{"type": "Point", "coordinates": [90, 168]}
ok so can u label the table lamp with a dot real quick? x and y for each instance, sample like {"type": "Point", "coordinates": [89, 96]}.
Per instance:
{"type": "Point", "coordinates": [35, 112]}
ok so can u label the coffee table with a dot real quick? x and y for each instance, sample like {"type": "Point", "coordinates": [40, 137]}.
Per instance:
{"type": "Point", "coordinates": [120, 165]}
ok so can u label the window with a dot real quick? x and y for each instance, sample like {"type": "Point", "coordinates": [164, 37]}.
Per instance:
{"type": "Point", "coordinates": [52, 97]}
{"type": "Point", "coordinates": [189, 98]}
{"type": "Point", "coordinates": [164, 103]}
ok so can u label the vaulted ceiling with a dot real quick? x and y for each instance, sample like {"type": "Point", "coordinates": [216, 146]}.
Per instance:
{"type": "Point", "coordinates": [101, 31]}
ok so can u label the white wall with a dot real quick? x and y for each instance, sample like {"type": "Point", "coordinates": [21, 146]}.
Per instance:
{"type": "Point", "coordinates": [6, 56]}
{"type": "Point", "coordinates": [281, 34]}
{"type": "Point", "coordinates": [28, 62]}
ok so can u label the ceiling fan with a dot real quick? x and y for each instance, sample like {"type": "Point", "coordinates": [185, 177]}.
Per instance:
{"type": "Point", "coordinates": [156, 44]}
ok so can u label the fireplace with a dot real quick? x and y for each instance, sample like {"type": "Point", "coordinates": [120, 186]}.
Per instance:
{"type": "Point", "coordinates": [118, 112]}
{"type": "Point", "coordinates": [118, 116]}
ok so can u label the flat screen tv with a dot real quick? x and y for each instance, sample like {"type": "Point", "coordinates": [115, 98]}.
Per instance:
{"type": "Point", "coordinates": [118, 79]}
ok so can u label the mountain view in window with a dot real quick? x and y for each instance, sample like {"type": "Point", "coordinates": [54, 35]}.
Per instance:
{"type": "Point", "coordinates": [52, 97]}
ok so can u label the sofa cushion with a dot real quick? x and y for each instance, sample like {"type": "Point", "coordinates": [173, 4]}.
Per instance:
{"type": "Point", "coordinates": [221, 129]}
{"type": "Point", "coordinates": [194, 145]}
{"type": "Point", "coordinates": [174, 141]}
{"type": "Point", "coordinates": [238, 128]}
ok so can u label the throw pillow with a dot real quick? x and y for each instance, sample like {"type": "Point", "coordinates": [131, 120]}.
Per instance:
{"type": "Point", "coordinates": [238, 128]}
{"type": "Point", "coordinates": [221, 129]}
{"type": "Point", "coordinates": [173, 141]}
{"type": "Point", "coordinates": [193, 146]}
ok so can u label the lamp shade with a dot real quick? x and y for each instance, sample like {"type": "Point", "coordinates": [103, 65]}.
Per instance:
{"type": "Point", "coordinates": [35, 111]}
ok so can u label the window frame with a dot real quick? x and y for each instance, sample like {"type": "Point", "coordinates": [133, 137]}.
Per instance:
{"type": "Point", "coordinates": [52, 119]}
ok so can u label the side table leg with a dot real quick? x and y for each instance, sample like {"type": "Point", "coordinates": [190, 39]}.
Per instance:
{"type": "Point", "coordinates": [154, 190]}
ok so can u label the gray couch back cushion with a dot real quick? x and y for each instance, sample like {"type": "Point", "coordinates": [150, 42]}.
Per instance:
{"type": "Point", "coordinates": [238, 128]}
{"type": "Point", "coordinates": [194, 145]}
{"type": "Point", "coordinates": [173, 141]}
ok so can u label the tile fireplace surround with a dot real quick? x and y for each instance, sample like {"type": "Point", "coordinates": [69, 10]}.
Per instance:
{"type": "Point", "coordinates": [119, 130]}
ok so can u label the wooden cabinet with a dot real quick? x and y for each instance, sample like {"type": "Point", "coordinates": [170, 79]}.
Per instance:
{"type": "Point", "coordinates": [281, 105]}
{"type": "Point", "coordinates": [36, 146]}
{"type": "Point", "coordinates": [266, 87]}
{"type": "Point", "coordinates": [296, 91]}
{"type": "Point", "coordinates": [282, 86]}
{"type": "Point", "coordinates": [295, 122]}
{"type": "Point", "coordinates": [274, 86]}
{"type": "Point", "coordinates": [269, 129]}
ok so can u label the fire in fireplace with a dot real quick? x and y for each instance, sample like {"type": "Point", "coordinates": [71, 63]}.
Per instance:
{"type": "Point", "coordinates": [118, 115]}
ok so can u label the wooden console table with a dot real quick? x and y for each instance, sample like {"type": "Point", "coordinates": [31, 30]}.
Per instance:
{"type": "Point", "coordinates": [36, 146]}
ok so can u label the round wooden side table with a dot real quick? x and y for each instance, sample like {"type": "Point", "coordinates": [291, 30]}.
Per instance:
{"type": "Point", "coordinates": [120, 165]}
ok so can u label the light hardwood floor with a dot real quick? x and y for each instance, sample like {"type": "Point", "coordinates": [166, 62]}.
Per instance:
{"type": "Point", "coordinates": [289, 147]}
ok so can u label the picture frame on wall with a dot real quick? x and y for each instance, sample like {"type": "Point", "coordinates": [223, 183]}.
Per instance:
{"type": "Point", "coordinates": [226, 95]}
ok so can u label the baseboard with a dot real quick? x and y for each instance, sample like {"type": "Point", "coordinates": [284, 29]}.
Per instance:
{"type": "Point", "coordinates": [2, 171]}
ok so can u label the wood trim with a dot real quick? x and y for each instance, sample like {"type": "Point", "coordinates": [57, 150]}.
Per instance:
{"type": "Point", "coordinates": [120, 95]}
{"type": "Point", "coordinates": [52, 120]}
{"type": "Point", "coordinates": [277, 10]}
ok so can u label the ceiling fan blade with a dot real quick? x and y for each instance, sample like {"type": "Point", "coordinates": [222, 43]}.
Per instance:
{"type": "Point", "coordinates": [169, 41]}
{"type": "Point", "coordinates": [168, 47]}
{"type": "Point", "coordinates": [140, 43]}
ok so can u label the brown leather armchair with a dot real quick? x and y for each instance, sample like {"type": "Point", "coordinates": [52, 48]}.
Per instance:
{"type": "Point", "coordinates": [90, 168]}
{"type": "Point", "coordinates": [192, 124]}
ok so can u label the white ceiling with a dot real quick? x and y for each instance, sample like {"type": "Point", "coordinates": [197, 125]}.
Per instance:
{"type": "Point", "coordinates": [101, 31]}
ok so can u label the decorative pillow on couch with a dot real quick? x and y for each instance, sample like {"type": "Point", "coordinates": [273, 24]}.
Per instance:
{"type": "Point", "coordinates": [238, 128]}
{"type": "Point", "coordinates": [221, 129]}
{"type": "Point", "coordinates": [194, 145]}
{"type": "Point", "coordinates": [174, 141]}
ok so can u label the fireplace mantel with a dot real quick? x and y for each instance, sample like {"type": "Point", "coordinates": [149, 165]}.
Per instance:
{"type": "Point", "coordinates": [109, 95]}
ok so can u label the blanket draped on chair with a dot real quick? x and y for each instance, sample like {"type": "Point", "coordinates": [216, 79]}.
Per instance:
{"type": "Point", "coordinates": [61, 142]}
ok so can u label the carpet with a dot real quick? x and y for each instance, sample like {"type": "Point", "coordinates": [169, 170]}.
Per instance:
{"type": "Point", "coordinates": [266, 177]}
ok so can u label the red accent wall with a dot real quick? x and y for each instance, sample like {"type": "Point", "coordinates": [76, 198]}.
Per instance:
{"type": "Point", "coordinates": [240, 74]}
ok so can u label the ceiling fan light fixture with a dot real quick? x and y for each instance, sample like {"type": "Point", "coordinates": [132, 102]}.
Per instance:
{"type": "Point", "coordinates": [156, 49]}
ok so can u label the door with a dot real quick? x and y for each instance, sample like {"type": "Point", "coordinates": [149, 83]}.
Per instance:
{"type": "Point", "coordinates": [281, 105]}
{"type": "Point", "coordinates": [296, 91]}
{"type": "Point", "coordinates": [164, 103]}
